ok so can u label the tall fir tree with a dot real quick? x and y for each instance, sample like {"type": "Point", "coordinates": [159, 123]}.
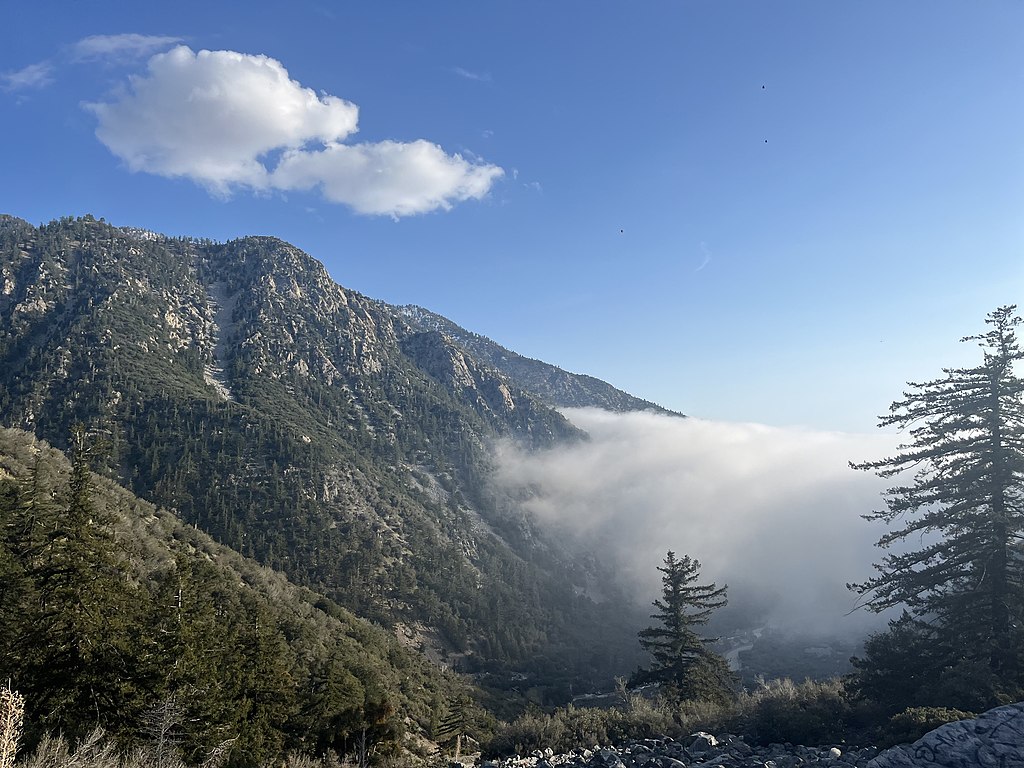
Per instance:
{"type": "Point", "coordinates": [683, 663]}
{"type": "Point", "coordinates": [959, 504]}
{"type": "Point", "coordinates": [73, 647]}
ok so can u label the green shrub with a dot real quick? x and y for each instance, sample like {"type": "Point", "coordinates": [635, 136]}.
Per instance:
{"type": "Point", "coordinates": [711, 716]}
{"type": "Point", "coordinates": [571, 728]}
{"type": "Point", "coordinates": [810, 713]}
{"type": "Point", "coordinates": [782, 711]}
{"type": "Point", "coordinates": [913, 723]}
{"type": "Point", "coordinates": [533, 730]}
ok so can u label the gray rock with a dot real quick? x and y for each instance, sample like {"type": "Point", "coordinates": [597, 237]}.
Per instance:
{"type": "Point", "coordinates": [700, 742]}
{"type": "Point", "coordinates": [994, 739]}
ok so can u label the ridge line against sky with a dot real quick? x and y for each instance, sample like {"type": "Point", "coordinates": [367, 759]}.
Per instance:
{"type": "Point", "coordinates": [775, 213]}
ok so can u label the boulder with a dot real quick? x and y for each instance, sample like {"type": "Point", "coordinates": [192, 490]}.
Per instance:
{"type": "Point", "coordinates": [995, 739]}
{"type": "Point", "coordinates": [700, 742]}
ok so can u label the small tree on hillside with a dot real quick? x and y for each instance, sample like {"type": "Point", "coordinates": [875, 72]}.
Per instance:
{"type": "Point", "coordinates": [963, 508]}
{"type": "Point", "coordinates": [454, 725]}
{"type": "Point", "coordinates": [684, 665]}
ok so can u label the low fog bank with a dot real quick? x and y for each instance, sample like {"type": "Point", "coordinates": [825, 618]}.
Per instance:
{"type": "Point", "coordinates": [773, 512]}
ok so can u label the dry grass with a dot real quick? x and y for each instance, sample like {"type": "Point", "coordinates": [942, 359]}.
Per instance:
{"type": "Point", "coordinates": [97, 750]}
{"type": "Point", "coordinates": [55, 752]}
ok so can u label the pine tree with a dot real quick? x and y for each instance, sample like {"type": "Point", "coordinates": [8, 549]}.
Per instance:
{"type": "Point", "coordinates": [684, 665]}
{"type": "Point", "coordinates": [15, 586]}
{"type": "Point", "coordinates": [963, 507]}
{"type": "Point", "coordinates": [73, 648]}
{"type": "Point", "coordinates": [454, 725]}
{"type": "Point", "coordinates": [333, 708]}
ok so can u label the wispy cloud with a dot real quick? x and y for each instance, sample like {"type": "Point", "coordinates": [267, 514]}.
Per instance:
{"type": "Point", "coordinates": [37, 75]}
{"type": "Point", "coordinates": [215, 117]}
{"type": "Point", "coordinates": [121, 48]}
{"type": "Point", "coordinates": [707, 256]}
{"type": "Point", "coordinates": [775, 513]}
{"type": "Point", "coordinates": [480, 77]}
{"type": "Point", "coordinates": [116, 49]}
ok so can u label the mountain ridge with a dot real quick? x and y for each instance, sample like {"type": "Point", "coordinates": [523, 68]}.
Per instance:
{"type": "Point", "coordinates": [556, 386]}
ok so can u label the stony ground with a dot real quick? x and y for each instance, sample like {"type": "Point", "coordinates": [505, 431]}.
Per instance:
{"type": "Point", "coordinates": [699, 749]}
{"type": "Point", "coordinates": [995, 739]}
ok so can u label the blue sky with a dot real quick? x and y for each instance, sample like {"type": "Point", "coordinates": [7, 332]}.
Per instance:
{"type": "Point", "coordinates": [774, 212]}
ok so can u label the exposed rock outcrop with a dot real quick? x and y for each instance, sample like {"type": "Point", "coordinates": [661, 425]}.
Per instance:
{"type": "Point", "coordinates": [995, 738]}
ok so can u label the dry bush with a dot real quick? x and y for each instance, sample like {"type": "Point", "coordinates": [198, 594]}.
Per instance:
{"type": "Point", "coordinates": [95, 751]}
{"type": "Point", "coordinates": [161, 749]}
{"type": "Point", "coordinates": [12, 714]}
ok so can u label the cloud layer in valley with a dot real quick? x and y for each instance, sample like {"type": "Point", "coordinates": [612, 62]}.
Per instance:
{"type": "Point", "coordinates": [773, 512]}
{"type": "Point", "coordinates": [229, 120]}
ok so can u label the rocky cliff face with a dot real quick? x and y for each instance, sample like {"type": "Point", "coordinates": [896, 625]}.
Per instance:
{"type": "Point", "coordinates": [494, 396]}
{"type": "Point", "coordinates": [306, 425]}
{"type": "Point", "coordinates": [549, 383]}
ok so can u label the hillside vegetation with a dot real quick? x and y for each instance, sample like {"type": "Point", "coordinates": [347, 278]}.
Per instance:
{"type": "Point", "coordinates": [114, 609]}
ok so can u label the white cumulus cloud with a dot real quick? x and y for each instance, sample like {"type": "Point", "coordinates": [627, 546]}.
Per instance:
{"type": "Point", "coordinates": [221, 118]}
{"type": "Point", "coordinates": [212, 115]}
{"type": "Point", "coordinates": [775, 513]}
{"type": "Point", "coordinates": [388, 177]}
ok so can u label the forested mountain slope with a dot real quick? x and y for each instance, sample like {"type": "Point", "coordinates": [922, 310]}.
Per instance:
{"type": "Point", "coordinates": [306, 426]}
{"type": "Point", "coordinates": [112, 609]}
